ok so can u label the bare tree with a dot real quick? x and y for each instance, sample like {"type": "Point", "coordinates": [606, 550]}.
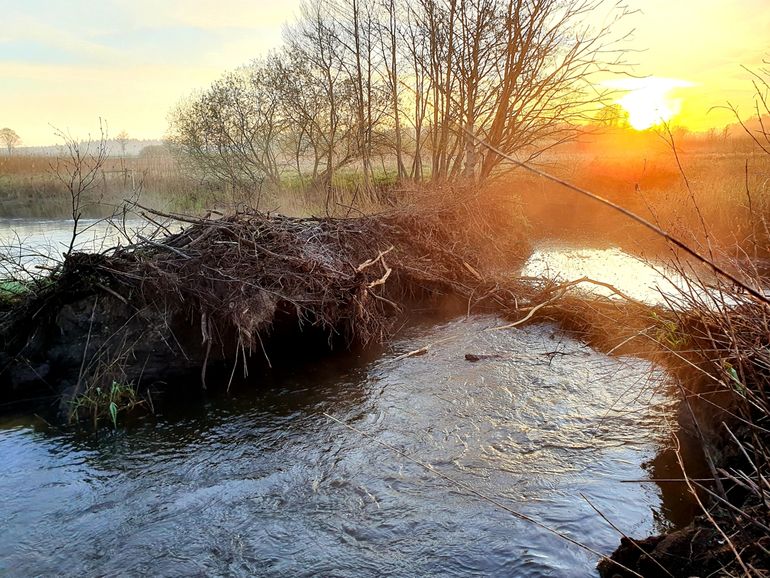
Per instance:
{"type": "Point", "coordinates": [611, 115]}
{"type": "Point", "coordinates": [516, 73]}
{"type": "Point", "coordinates": [9, 138]}
{"type": "Point", "coordinates": [316, 41]}
{"type": "Point", "coordinates": [434, 85]}
{"type": "Point", "coordinates": [77, 169]}
{"type": "Point", "coordinates": [235, 131]}
{"type": "Point", "coordinates": [388, 31]}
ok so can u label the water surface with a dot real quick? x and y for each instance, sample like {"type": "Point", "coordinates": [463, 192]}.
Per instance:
{"type": "Point", "coordinates": [262, 483]}
{"type": "Point", "coordinates": [35, 243]}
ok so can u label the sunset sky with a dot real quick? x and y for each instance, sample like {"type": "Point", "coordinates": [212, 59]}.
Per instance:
{"type": "Point", "coordinates": [67, 63]}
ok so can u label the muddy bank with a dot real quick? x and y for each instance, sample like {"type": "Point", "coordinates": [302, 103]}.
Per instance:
{"type": "Point", "coordinates": [696, 550]}
{"type": "Point", "coordinates": [728, 537]}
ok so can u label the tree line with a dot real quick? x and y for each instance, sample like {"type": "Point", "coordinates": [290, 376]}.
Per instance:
{"type": "Point", "coordinates": [402, 90]}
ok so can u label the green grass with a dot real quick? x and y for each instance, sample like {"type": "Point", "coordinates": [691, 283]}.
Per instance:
{"type": "Point", "coordinates": [105, 404]}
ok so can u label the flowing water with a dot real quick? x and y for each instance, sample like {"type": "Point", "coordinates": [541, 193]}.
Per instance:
{"type": "Point", "coordinates": [262, 482]}
{"type": "Point", "coordinates": [265, 484]}
{"type": "Point", "coordinates": [634, 276]}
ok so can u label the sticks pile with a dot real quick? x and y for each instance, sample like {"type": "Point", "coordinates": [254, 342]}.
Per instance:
{"type": "Point", "coordinates": [346, 276]}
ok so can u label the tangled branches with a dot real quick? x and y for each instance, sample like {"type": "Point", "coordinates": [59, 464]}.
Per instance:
{"type": "Point", "coordinates": [346, 276]}
{"type": "Point", "coordinates": [234, 280]}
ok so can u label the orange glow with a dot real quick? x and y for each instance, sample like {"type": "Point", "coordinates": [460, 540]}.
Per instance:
{"type": "Point", "coordinates": [649, 101]}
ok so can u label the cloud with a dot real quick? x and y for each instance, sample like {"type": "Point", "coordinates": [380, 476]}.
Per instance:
{"type": "Point", "coordinates": [29, 38]}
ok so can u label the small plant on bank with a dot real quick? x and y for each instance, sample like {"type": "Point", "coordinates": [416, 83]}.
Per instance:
{"type": "Point", "coordinates": [669, 333]}
{"type": "Point", "coordinates": [106, 403]}
{"type": "Point", "coordinates": [11, 291]}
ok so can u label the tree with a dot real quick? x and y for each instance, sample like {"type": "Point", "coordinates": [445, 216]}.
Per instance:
{"type": "Point", "coordinates": [9, 138]}
{"type": "Point", "coordinates": [324, 95]}
{"type": "Point", "coordinates": [78, 169]}
{"type": "Point", "coordinates": [612, 116]}
{"type": "Point", "coordinates": [122, 139]}
{"type": "Point", "coordinates": [517, 74]}
{"type": "Point", "coordinates": [434, 89]}
{"type": "Point", "coordinates": [235, 131]}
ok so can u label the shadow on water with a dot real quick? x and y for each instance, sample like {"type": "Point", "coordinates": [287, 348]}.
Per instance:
{"type": "Point", "coordinates": [260, 482]}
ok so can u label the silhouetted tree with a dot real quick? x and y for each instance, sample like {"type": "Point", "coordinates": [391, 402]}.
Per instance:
{"type": "Point", "coordinates": [413, 83]}
{"type": "Point", "coordinates": [122, 139]}
{"type": "Point", "coordinates": [612, 115]}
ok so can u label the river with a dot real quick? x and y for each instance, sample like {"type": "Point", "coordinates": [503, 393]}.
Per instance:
{"type": "Point", "coordinates": [263, 482]}
{"type": "Point", "coordinates": [29, 244]}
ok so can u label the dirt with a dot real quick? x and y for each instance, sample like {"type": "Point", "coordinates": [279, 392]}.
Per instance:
{"type": "Point", "coordinates": [696, 550]}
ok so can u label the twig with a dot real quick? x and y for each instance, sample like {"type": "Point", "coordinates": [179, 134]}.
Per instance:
{"type": "Point", "coordinates": [371, 262]}
{"type": "Point", "coordinates": [163, 246]}
{"type": "Point", "coordinates": [534, 310]}
{"type": "Point", "coordinates": [88, 341]}
{"type": "Point", "coordinates": [423, 350]}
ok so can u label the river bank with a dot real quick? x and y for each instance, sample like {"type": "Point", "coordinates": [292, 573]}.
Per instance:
{"type": "Point", "coordinates": [721, 369]}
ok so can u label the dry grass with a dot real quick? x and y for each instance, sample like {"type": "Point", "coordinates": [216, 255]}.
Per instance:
{"type": "Point", "coordinates": [728, 192]}
{"type": "Point", "coordinates": [29, 189]}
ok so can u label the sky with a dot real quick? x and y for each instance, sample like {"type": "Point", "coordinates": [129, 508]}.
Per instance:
{"type": "Point", "coordinates": [67, 63]}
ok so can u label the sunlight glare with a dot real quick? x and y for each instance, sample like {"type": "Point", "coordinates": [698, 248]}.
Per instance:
{"type": "Point", "coordinates": [648, 101]}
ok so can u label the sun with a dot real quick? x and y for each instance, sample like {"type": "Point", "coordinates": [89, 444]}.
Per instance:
{"type": "Point", "coordinates": [648, 101]}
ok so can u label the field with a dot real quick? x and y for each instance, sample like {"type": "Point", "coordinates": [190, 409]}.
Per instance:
{"type": "Point", "coordinates": [30, 187]}
{"type": "Point", "coordinates": [713, 197]}
{"type": "Point", "coordinates": [711, 189]}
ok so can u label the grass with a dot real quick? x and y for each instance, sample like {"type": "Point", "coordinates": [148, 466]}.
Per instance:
{"type": "Point", "coordinates": [11, 289]}
{"type": "Point", "coordinates": [29, 189]}
{"type": "Point", "coordinates": [105, 404]}
{"type": "Point", "coordinates": [725, 205]}
{"type": "Point", "coordinates": [729, 183]}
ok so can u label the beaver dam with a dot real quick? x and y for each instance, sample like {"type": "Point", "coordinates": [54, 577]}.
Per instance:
{"type": "Point", "coordinates": [259, 394]}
